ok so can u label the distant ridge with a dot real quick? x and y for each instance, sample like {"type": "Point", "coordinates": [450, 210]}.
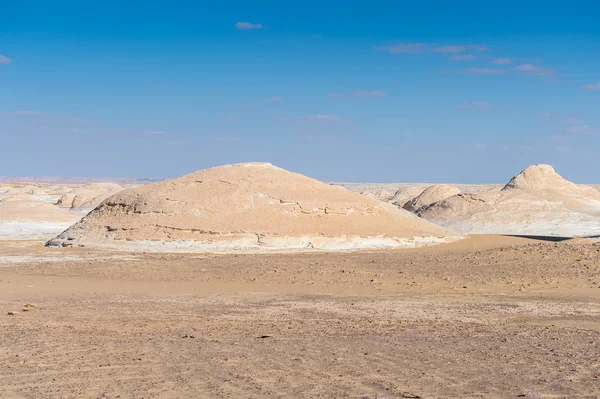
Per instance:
{"type": "Point", "coordinates": [77, 180]}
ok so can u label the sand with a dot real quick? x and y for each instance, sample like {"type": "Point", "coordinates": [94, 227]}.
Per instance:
{"type": "Point", "coordinates": [252, 206]}
{"type": "Point", "coordinates": [27, 216]}
{"type": "Point", "coordinates": [88, 196]}
{"type": "Point", "coordinates": [485, 317]}
{"type": "Point", "coordinates": [537, 201]}
{"type": "Point", "coordinates": [37, 211]}
{"type": "Point", "coordinates": [405, 194]}
{"type": "Point", "coordinates": [381, 195]}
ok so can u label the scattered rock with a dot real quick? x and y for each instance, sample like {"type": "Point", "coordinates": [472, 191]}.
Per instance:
{"type": "Point", "coordinates": [530, 395]}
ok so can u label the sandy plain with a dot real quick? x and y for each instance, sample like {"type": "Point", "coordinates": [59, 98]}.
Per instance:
{"type": "Point", "coordinates": [485, 317]}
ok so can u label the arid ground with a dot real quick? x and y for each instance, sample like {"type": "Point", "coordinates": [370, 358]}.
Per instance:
{"type": "Point", "coordinates": [486, 317]}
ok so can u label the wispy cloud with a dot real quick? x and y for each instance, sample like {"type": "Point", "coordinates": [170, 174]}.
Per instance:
{"type": "Point", "coordinates": [274, 99]}
{"type": "Point", "coordinates": [327, 118]}
{"type": "Point", "coordinates": [476, 105]}
{"type": "Point", "coordinates": [484, 71]}
{"type": "Point", "coordinates": [247, 26]}
{"type": "Point", "coordinates": [580, 129]}
{"type": "Point", "coordinates": [570, 124]}
{"type": "Point", "coordinates": [592, 87]}
{"type": "Point", "coordinates": [43, 118]}
{"type": "Point", "coordinates": [358, 94]}
{"type": "Point", "coordinates": [534, 70]}
{"type": "Point", "coordinates": [454, 49]}
{"type": "Point", "coordinates": [411, 48]}
{"type": "Point", "coordinates": [466, 57]}
{"type": "Point", "coordinates": [21, 114]}
{"type": "Point", "coordinates": [503, 61]}
{"type": "Point", "coordinates": [229, 118]}
{"type": "Point", "coordinates": [4, 60]}
{"type": "Point", "coordinates": [226, 139]}
{"type": "Point", "coordinates": [156, 133]}
{"type": "Point", "coordinates": [419, 48]}
{"type": "Point", "coordinates": [479, 147]}
{"type": "Point", "coordinates": [317, 118]}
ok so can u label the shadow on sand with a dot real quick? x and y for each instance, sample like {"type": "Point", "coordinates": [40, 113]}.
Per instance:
{"type": "Point", "coordinates": [541, 238]}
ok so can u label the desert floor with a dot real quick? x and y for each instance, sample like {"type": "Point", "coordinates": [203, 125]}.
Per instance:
{"type": "Point", "coordinates": [487, 317]}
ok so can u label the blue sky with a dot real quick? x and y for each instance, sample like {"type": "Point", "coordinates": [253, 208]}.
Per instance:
{"type": "Point", "coordinates": [432, 91]}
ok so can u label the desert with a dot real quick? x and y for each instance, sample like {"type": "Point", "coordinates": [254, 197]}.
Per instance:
{"type": "Point", "coordinates": [116, 307]}
{"type": "Point", "coordinates": [299, 200]}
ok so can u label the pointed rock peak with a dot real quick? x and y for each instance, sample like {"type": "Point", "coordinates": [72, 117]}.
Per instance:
{"type": "Point", "coordinates": [537, 177]}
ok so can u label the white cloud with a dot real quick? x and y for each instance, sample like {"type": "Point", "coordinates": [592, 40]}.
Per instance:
{"type": "Point", "coordinates": [4, 60]}
{"type": "Point", "coordinates": [358, 94]}
{"type": "Point", "coordinates": [453, 49]}
{"type": "Point", "coordinates": [274, 99]}
{"type": "Point", "coordinates": [503, 61]}
{"type": "Point", "coordinates": [571, 121]}
{"type": "Point", "coordinates": [592, 87]}
{"type": "Point", "coordinates": [320, 118]}
{"type": "Point", "coordinates": [579, 129]}
{"type": "Point", "coordinates": [419, 48]}
{"type": "Point", "coordinates": [476, 105]}
{"type": "Point", "coordinates": [570, 124]}
{"type": "Point", "coordinates": [156, 133]}
{"type": "Point", "coordinates": [21, 114]}
{"type": "Point", "coordinates": [534, 70]}
{"type": "Point", "coordinates": [484, 71]}
{"type": "Point", "coordinates": [327, 118]}
{"type": "Point", "coordinates": [466, 57]}
{"type": "Point", "coordinates": [226, 139]}
{"type": "Point", "coordinates": [247, 26]}
{"type": "Point", "coordinates": [479, 147]}
{"type": "Point", "coordinates": [412, 48]}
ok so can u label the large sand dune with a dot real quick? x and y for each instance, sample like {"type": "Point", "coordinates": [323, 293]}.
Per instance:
{"type": "Point", "coordinates": [537, 201]}
{"type": "Point", "coordinates": [248, 206]}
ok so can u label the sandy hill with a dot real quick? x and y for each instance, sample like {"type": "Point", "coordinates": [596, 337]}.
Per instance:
{"type": "Point", "coordinates": [536, 201]}
{"type": "Point", "coordinates": [405, 194]}
{"type": "Point", "coordinates": [431, 194]}
{"type": "Point", "coordinates": [542, 181]}
{"type": "Point", "coordinates": [248, 206]}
